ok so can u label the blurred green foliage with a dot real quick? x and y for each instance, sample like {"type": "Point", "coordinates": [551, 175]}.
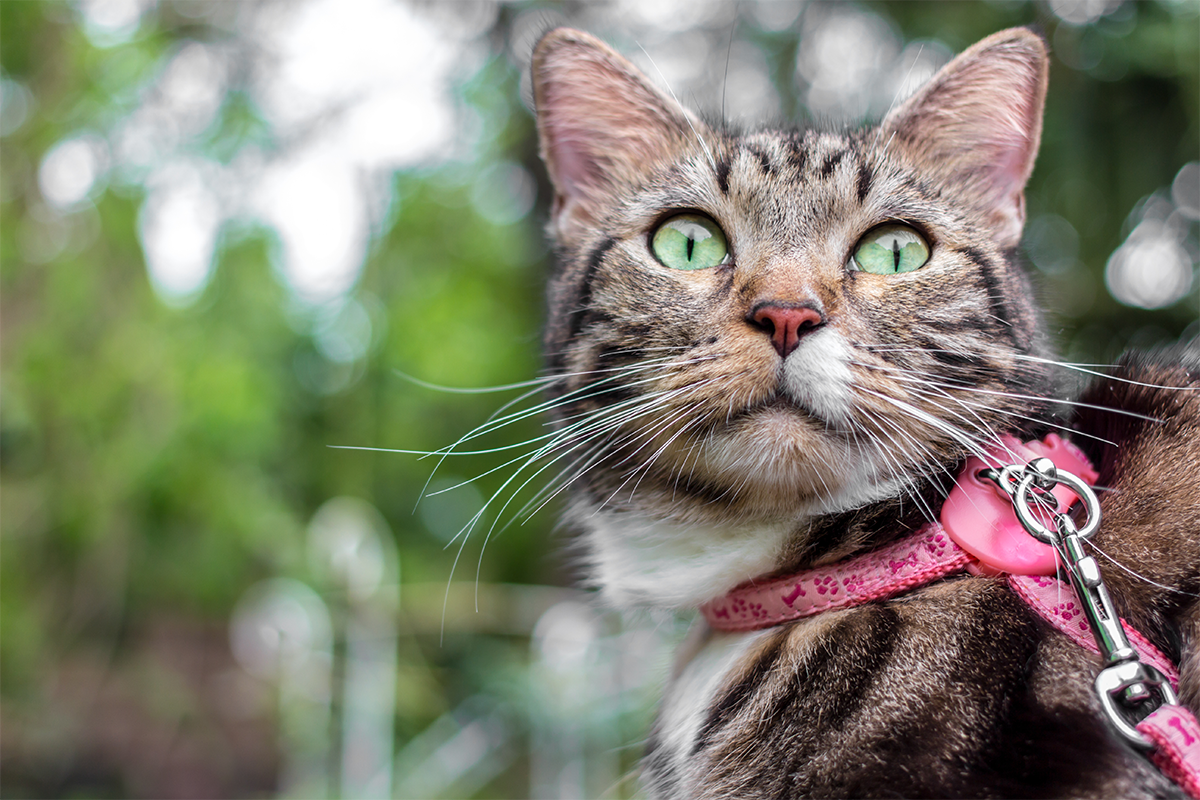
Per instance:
{"type": "Point", "coordinates": [158, 459]}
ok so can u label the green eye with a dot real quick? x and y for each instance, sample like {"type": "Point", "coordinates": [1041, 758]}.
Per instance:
{"type": "Point", "coordinates": [889, 249]}
{"type": "Point", "coordinates": [689, 241]}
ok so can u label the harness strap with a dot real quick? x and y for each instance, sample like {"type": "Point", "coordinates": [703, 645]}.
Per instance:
{"type": "Point", "coordinates": [1055, 601]}
{"type": "Point", "coordinates": [926, 557]}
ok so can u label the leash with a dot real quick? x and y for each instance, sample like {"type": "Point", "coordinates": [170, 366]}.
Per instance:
{"type": "Point", "coordinates": [1010, 518]}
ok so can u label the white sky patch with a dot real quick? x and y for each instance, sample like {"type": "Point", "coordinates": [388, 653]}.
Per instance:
{"type": "Point", "coordinates": [178, 228]}
{"type": "Point", "coordinates": [1185, 190]}
{"type": "Point", "coordinates": [777, 16]}
{"type": "Point", "coordinates": [142, 140]}
{"type": "Point", "coordinates": [842, 56]}
{"type": "Point", "coordinates": [181, 103]}
{"type": "Point", "coordinates": [193, 86]}
{"type": "Point", "coordinates": [112, 22]}
{"type": "Point", "coordinates": [748, 92]}
{"type": "Point", "coordinates": [374, 64]}
{"type": "Point", "coordinates": [369, 79]}
{"type": "Point", "coordinates": [1151, 269]}
{"type": "Point", "coordinates": [674, 15]}
{"type": "Point", "coordinates": [351, 89]}
{"type": "Point", "coordinates": [675, 63]}
{"type": "Point", "coordinates": [72, 170]}
{"type": "Point", "coordinates": [918, 62]}
{"type": "Point", "coordinates": [1082, 12]}
{"type": "Point", "coordinates": [314, 202]}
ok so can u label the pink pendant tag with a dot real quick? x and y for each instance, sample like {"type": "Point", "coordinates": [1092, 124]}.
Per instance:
{"type": "Point", "coordinates": [979, 516]}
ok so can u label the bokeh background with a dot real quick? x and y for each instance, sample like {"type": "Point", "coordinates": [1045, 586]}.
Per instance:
{"type": "Point", "coordinates": [236, 237]}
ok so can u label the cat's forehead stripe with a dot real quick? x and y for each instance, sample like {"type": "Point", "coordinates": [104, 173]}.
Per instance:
{"type": "Point", "coordinates": [723, 166]}
{"type": "Point", "coordinates": [788, 157]}
{"type": "Point", "coordinates": [831, 163]}
{"type": "Point", "coordinates": [764, 160]}
{"type": "Point", "coordinates": [863, 181]}
{"type": "Point", "coordinates": [799, 154]}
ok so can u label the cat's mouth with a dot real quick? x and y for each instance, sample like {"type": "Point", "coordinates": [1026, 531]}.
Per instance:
{"type": "Point", "coordinates": [780, 403]}
{"type": "Point", "coordinates": [810, 410]}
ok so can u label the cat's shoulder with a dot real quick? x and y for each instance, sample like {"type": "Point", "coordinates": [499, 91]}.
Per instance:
{"type": "Point", "coordinates": [1141, 428]}
{"type": "Point", "coordinates": [1151, 398]}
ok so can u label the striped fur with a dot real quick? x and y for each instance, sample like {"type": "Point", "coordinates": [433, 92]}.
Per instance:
{"type": "Point", "coordinates": [702, 457]}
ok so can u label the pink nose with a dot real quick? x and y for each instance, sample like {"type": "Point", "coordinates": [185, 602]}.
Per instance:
{"type": "Point", "coordinates": [785, 325]}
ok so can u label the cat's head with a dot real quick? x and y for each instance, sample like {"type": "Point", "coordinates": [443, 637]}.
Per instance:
{"type": "Point", "coordinates": [763, 327]}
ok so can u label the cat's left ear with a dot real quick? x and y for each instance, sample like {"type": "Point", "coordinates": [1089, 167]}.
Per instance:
{"type": "Point", "coordinates": [602, 125]}
{"type": "Point", "coordinates": [977, 123]}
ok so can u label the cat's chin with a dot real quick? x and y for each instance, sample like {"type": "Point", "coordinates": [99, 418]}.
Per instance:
{"type": "Point", "coordinates": [783, 460]}
{"type": "Point", "coordinates": [783, 427]}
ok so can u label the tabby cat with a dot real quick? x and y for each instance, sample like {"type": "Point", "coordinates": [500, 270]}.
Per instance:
{"type": "Point", "coordinates": [774, 350]}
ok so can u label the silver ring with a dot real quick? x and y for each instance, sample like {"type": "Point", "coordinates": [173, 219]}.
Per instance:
{"type": "Point", "coordinates": [1035, 527]}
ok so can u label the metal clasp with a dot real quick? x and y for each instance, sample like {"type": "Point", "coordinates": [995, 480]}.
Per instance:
{"type": "Point", "coordinates": [1125, 689]}
{"type": "Point", "coordinates": [1128, 689]}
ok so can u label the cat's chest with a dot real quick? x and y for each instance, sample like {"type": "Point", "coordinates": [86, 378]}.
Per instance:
{"type": "Point", "coordinates": [640, 560]}
{"type": "Point", "coordinates": [935, 679]}
{"type": "Point", "coordinates": [716, 664]}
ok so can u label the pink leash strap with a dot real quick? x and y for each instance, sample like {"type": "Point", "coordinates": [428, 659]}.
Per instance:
{"type": "Point", "coordinates": [1176, 736]}
{"type": "Point", "coordinates": [1172, 729]}
{"type": "Point", "coordinates": [878, 575]}
{"type": "Point", "coordinates": [1056, 602]}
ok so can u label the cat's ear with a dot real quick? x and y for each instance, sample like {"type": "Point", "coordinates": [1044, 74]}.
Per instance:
{"type": "Point", "coordinates": [601, 123]}
{"type": "Point", "coordinates": [976, 125]}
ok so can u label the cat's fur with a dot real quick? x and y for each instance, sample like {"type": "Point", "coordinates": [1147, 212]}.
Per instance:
{"type": "Point", "coordinates": [703, 458]}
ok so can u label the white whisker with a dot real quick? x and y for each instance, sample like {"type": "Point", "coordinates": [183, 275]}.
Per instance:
{"type": "Point", "coordinates": [541, 381]}
{"type": "Point", "coordinates": [712, 161]}
{"type": "Point", "coordinates": [1138, 575]}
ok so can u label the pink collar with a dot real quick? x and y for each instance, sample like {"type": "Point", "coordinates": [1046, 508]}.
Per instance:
{"type": "Point", "coordinates": [877, 575]}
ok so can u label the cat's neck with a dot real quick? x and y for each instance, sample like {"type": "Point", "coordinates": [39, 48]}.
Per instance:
{"type": "Point", "coordinates": [641, 560]}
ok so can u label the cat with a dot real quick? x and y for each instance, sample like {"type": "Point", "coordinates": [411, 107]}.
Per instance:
{"type": "Point", "coordinates": [773, 350]}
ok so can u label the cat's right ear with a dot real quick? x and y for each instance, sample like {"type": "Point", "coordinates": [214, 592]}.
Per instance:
{"type": "Point", "coordinates": [976, 124]}
{"type": "Point", "coordinates": [601, 124]}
